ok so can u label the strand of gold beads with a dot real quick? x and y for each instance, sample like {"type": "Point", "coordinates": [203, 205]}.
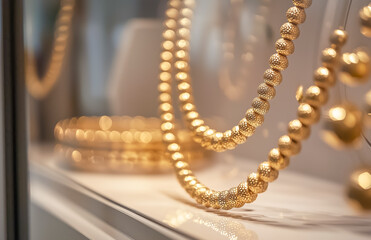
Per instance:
{"type": "Point", "coordinates": [254, 116]}
{"type": "Point", "coordinates": [37, 86]}
{"type": "Point", "coordinates": [278, 158]}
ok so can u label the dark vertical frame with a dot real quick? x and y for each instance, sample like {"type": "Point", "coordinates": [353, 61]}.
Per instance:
{"type": "Point", "coordinates": [16, 171]}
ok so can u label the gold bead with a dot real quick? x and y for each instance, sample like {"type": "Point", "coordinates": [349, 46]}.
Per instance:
{"type": "Point", "coordinates": [278, 61]}
{"type": "Point", "coordinates": [338, 38]}
{"type": "Point", "coordinates": [324, 77]}
{"type": "Point", "coordinates": [227, 140]}
{"type": "Point", "coordinates": [233, 198]}
{"type": "Point", "coordinates": [302, 3]}
{"type": "Point", "coordinates": [343, 126]}
{"type": "Point", "coordinates": [266, 91]}
{"type": "Point", "coordinates": [244, 194]}
{"type": "Point", "coordinates": [245, 128]}
{"type": "Point", "coordinates": [238, 137]}
{"type": "Point", "coordinates": [277, 160]}
{"type": "Point", "coordinates": [196, 123]}
{"type": "Point", "coordinates": [329, 57]}
{"type": "Point", "coordinates": [359, 189]}
{"type": "Point", "coordinates": [315, 96]}
{"type": "Point", "coordinates": [284, 46]}
{"type": "Point", "coordinates": [199, 133]}
{"type": "Point", "coordinates": [214, 200]}
{"type": "Point", "coordinates": [267, 173]}
{"type": "Point", "coordinates": [289, 31]}
{"type": "Point", "coordinates": [207, 136]}
{"type": "Point", "coordinates": [224, 201]}
{"type": "Point", "coordinates": [260, 105]}
{"type": "Point", "coordinates": [255, 184]}
{"type": "Point", "coordinates": [297, 131]}
{"type": "Point", "coordinates": [355, 68]}
{"type": "Point", "coordinates": [365, 16]}
{"type": "Point", "coordinates": [253, 118]}
{"type": "Point", "coordinates": [216, 142]}
{"type": "Point", "coordinates": [205, 198]}
{"type": "Point", "coordinates": [272, 77]}
{"type": "Point", "coordinates": [200, 191]}
{"type": "Point", "coordinates": [288, 146]}
{"type": "Point", "coordinates": [308, 114]}
{"type": "Point", "coordinates": [295, 15]}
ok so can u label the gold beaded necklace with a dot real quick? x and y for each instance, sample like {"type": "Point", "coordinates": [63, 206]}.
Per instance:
{"type": "Point", "coordinates": [278, 158]}
{"type": "Point", "coordinates": [178, 25]}
{"type": "Point", "coordinates": [37, 86]}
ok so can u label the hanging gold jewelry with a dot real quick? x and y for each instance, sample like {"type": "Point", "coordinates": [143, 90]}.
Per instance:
{"type": "Point", "coordinates": [278, 158]}
{"type": "Point", "coordinates": [359, 188]}
{"type": "Point", "coordinates": [39, 87]}
{"type": "Point", "coordinates": [365, 16]}
{"type": "Point", "coordinates": [355, 68]}
{"type": "Point", "coordinates": [176, 49]}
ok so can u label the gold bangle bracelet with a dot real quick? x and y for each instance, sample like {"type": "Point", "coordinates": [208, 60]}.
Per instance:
{"type": "Point", "coordinates": [124, 161]}
{"type": "Point", "coordinates": [117, 133]}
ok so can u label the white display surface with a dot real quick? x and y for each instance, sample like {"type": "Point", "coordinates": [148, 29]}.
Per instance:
{"type": "Point", "coordinates": [294, 207]}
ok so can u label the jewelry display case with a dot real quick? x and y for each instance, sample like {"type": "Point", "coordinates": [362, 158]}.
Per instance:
{"type": "Point", "coordinates": [94, 129]}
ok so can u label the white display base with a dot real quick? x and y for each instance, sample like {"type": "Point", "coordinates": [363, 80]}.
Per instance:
{"type": "Point", "coordinates": [294, 207]}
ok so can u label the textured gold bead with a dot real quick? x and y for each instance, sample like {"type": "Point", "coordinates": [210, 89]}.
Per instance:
{"type": "Point", "coordinates": [295, 15]}
{"type": "Point", "coordinates": [199, 194]}
{"type": "Point", "coordinates": [244, 193]}
{"type": "Point", "coordinates": [237, 136]}
{"type": "Point", "coordinates": [278, 61]}
{"type": "Point", "coordinates": [214, 200]}
{"type": "Point", "coordinates": [253, 118]}
{"type": "Point", "coordinates": [245, 128]}
{"type": "Point", "coordinates": [266, 91]}
{"type": "Point", "coordinates": [196, 123]}
{"type": "Point", "coordinates": [330, 57]}
{"type": "Point", "coordinates": [338, 37]}
{"type": "Point", "coordinates": [260, 105]}
{"type": "Point", "coordinates": [289, 31]}
{"type": "Point", "coordinates": [255, 184]}
{"type": "Point", "coordinates": [216, 142]}
{"type": "Point", "coordinates": [297, 131]}
{"type": "Point", "coordinates": [224, 201]}
{"type": "Point", "coordinates": [315, 96]}
{"type": "Point", "coordinates": [308, 114]}
{"type": "Point", "coordinates": [205, 197]}
{"type": "Point", "coordinates": [227, 140]}
{"type": "Point", "coordinates": [302, 3]}
{"type": "Point", "coordinates": [324, 77]}
{"type": "Point", "coordinates": [199, 133]}
{"type": "Point", "coordinates": [233, 198]}
{"type": "Point", "coordinates": [288, 146]}
{"type": "Point", "coordinates": [272, 77]}
{"type": "Point", "coordinates": [192, 115]}
{"type": "Point", "coordinates": [285, 46]}
{"type": "Point", "coordinates": [207, 136]}
{"type": "Point", "coordinates": [277, 160]}
{"type": "Point", "coordinates": [267, 173]}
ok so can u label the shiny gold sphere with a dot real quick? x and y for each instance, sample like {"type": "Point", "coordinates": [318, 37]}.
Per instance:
{"type": "Point", "coordinates": [272, 77]}
{"type": "Point", "coordinates": [289, 31]}
{"type": "Point", "coordinates": [227, 140]}
{"type": "Point", "coordinates": [245, 128]}
{"type": "Point", "coordinates": [338, 38]}
{"type": "Point", "coordinates": [237, 136]}
{"type": "Point", "coordinates": [260, 105]}
{"type": "Point", "coordinates": [284, 46]}
{"type": "Point", "coordinates": [277, 160]}
{"type": "Point", "coordinates": [214, 200]}
{"type": "Point", "coordinates": [224, 201]}
{"type": "Point", "coordinates": [267, 173]}
{"type": "Point", "coordinates": [255, 184]}
{"type": "Point", "coordinates": [205, 198]}
{"type": "Point", "coordinates": [207, 136]}
{"type": "Point", "coordinates": [330, 57]}
{"type": "Point", "coordinates": [359, 189]}
{"type": "Point", "coordinates": [244, 193]}
{"type": "Point", "coordinates": [278, 62]}
{"type": "Point", "coordinates": [253, 118]}
{"type": "Point", "coordinates": [216, 142]}
{"type": "Point", "coordinates": [302, 3]}
{"type": "Point", "coordinates": [324, 77]}
{"type": "Point", "coordinates": [365, 16]}
{"type": "Point", "coordinates": [266, 91]}
{"type": "Point", "coordinates": [308, 114]}
{"type": "Point", "coordinates": [295, 15]}
{"type": "Point", "coordinates": [355, 68]}
{"type": "Point", "coordinates": [297, 131]}
{"type": "Point", "coordinates": [315, 96]}
{"type": "Point", "coordinates": [233, 198]}
{"type": "Point", "coordinates": [343, 126]}
{"type": "Point", "coordinates": [288, 146]}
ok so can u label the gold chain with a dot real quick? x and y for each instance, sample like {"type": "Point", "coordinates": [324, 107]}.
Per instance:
{"type": "Point", "coordinates": [180, 17]}
{"type": "Point", "coordinates": [278, 158]}
{"type": "Point", "coordinates": [39, 87]}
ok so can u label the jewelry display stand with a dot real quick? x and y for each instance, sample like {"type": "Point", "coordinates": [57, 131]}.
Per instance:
{"type": "Point", "coordinates": [111, 206]}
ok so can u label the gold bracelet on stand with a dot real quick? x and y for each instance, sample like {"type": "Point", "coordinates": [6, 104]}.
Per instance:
{"type": "Point", "coordinates": [39, 87]}
{"type": "Point", "coordinates": [175, 57]}
{"type": "Point", "coordinates": [289, 145]}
